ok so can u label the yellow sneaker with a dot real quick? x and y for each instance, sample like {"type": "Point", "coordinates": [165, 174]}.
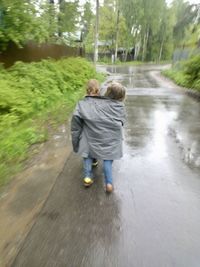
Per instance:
{"type": "Point", "coordinates": [88, 181]}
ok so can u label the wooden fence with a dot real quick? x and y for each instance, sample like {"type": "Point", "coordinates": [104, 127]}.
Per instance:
{"type": "Point", "coordinates": [34, 52]}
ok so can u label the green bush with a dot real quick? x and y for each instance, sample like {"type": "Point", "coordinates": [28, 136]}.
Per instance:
{"type": "Point", "coordinates": [187, 73]}
{"type": "Point", "coordinates": [192, 72]}
{"type": "Point", "coordinates": [32, 96]}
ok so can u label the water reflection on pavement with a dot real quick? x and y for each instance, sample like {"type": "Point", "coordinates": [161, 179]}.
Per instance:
{"type": "Point", "coordinates": [152, 219]}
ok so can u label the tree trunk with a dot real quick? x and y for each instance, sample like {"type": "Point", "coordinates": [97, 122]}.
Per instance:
{"type": "Point", "coordinates": [137, 50]}
{"type": "Point", "coordinates": [161, 49]}
{"type": "Point", "coordinates": [59, 19]}
{"type": "Point", "coordinates": [117, 35]}
{"type": "Point", "coordinates": [137, 45]}
{"type": "Point", "coordinates": [145, 42]}
{"type": "Point", "coordinates": [144, 47]}
{"type": "Point", "coordinates": [96, 33]}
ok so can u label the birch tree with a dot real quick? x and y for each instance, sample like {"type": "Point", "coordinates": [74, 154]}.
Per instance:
{"type": "Point", "coordinates": [96, 33]}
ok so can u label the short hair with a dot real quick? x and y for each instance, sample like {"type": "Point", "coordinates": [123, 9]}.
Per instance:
{"type": "Point", "coordinates": [92, 87]}
{"type": "Point", "coordinates": [116, 91]}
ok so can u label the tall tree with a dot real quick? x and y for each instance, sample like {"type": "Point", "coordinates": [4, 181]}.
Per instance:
{"type": "Point", "coordinates": [68, 16]}
{"type": "Point", "coordinates": [143, 20]}
{"type": "Point", "coordinates": [133, 15]}
{"type": "Point", "coordinates": [185, 14]}
{"type": "Point", "coordinates": [117, 33]}
{"type": "Point", "coordinates": [96, 33]}
{"type": "Point", "coordinates": [48, 16]}
{"type": "Point", "coordinates": [107, 28]}
{"type": "Point", "coordinates": [86, 19]}
{"type": "Point", "coordinates": [21, 21]}
{"type": "Point", "coordinates": [112, 25]}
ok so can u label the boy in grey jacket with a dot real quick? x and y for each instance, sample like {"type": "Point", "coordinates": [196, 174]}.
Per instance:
{"type": "Point", "coordinates": [96, 130]}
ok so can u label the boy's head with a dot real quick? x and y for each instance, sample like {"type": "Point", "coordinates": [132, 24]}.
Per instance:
{"type": "Point", "coordinates": [92, 87]}
{"type": "Point", "coordinates": [116, 91]}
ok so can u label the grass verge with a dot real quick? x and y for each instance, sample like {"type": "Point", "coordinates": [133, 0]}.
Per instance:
{"type": "Point", "coordinates": [34, 98]}
{"type": "Point", "coordinates": [186, 73]}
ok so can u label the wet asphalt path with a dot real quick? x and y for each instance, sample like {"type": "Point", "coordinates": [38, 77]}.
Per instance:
{"type": "Point", "coordinates": [153, 217]}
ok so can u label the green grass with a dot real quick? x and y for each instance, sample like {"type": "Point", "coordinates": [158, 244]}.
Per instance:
{"type": "Point", "coordinates": [177, 76]}
{"type": "Point", "coordinates": [34, 98]}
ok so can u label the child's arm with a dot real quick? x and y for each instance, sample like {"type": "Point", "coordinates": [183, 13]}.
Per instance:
{"type": "Point", "coordinates": [123, 117]}
{"type": "Point", "coordinates": [76, 130]}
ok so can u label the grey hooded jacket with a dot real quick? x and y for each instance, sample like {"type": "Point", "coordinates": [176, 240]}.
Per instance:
{"type": "Point", "coordinates": [96, 128]}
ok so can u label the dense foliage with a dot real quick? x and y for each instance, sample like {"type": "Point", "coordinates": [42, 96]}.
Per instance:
{"type": "Point", "coordinates": [187, 74]}
{"type": "Point", "coordinates": [192, 72]}
{"type": "Point", "coordinates": [31, 94]}
{"type": "Point", "coordinates": [40, 21]}
{"type": "Point", "coordinates": [19, 22]}
{"type": "Point", "coordinates": [153, 28]}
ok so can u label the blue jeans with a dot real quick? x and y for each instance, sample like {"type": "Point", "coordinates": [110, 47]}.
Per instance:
{"type": "Point", "coordinates": [107, 169]}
